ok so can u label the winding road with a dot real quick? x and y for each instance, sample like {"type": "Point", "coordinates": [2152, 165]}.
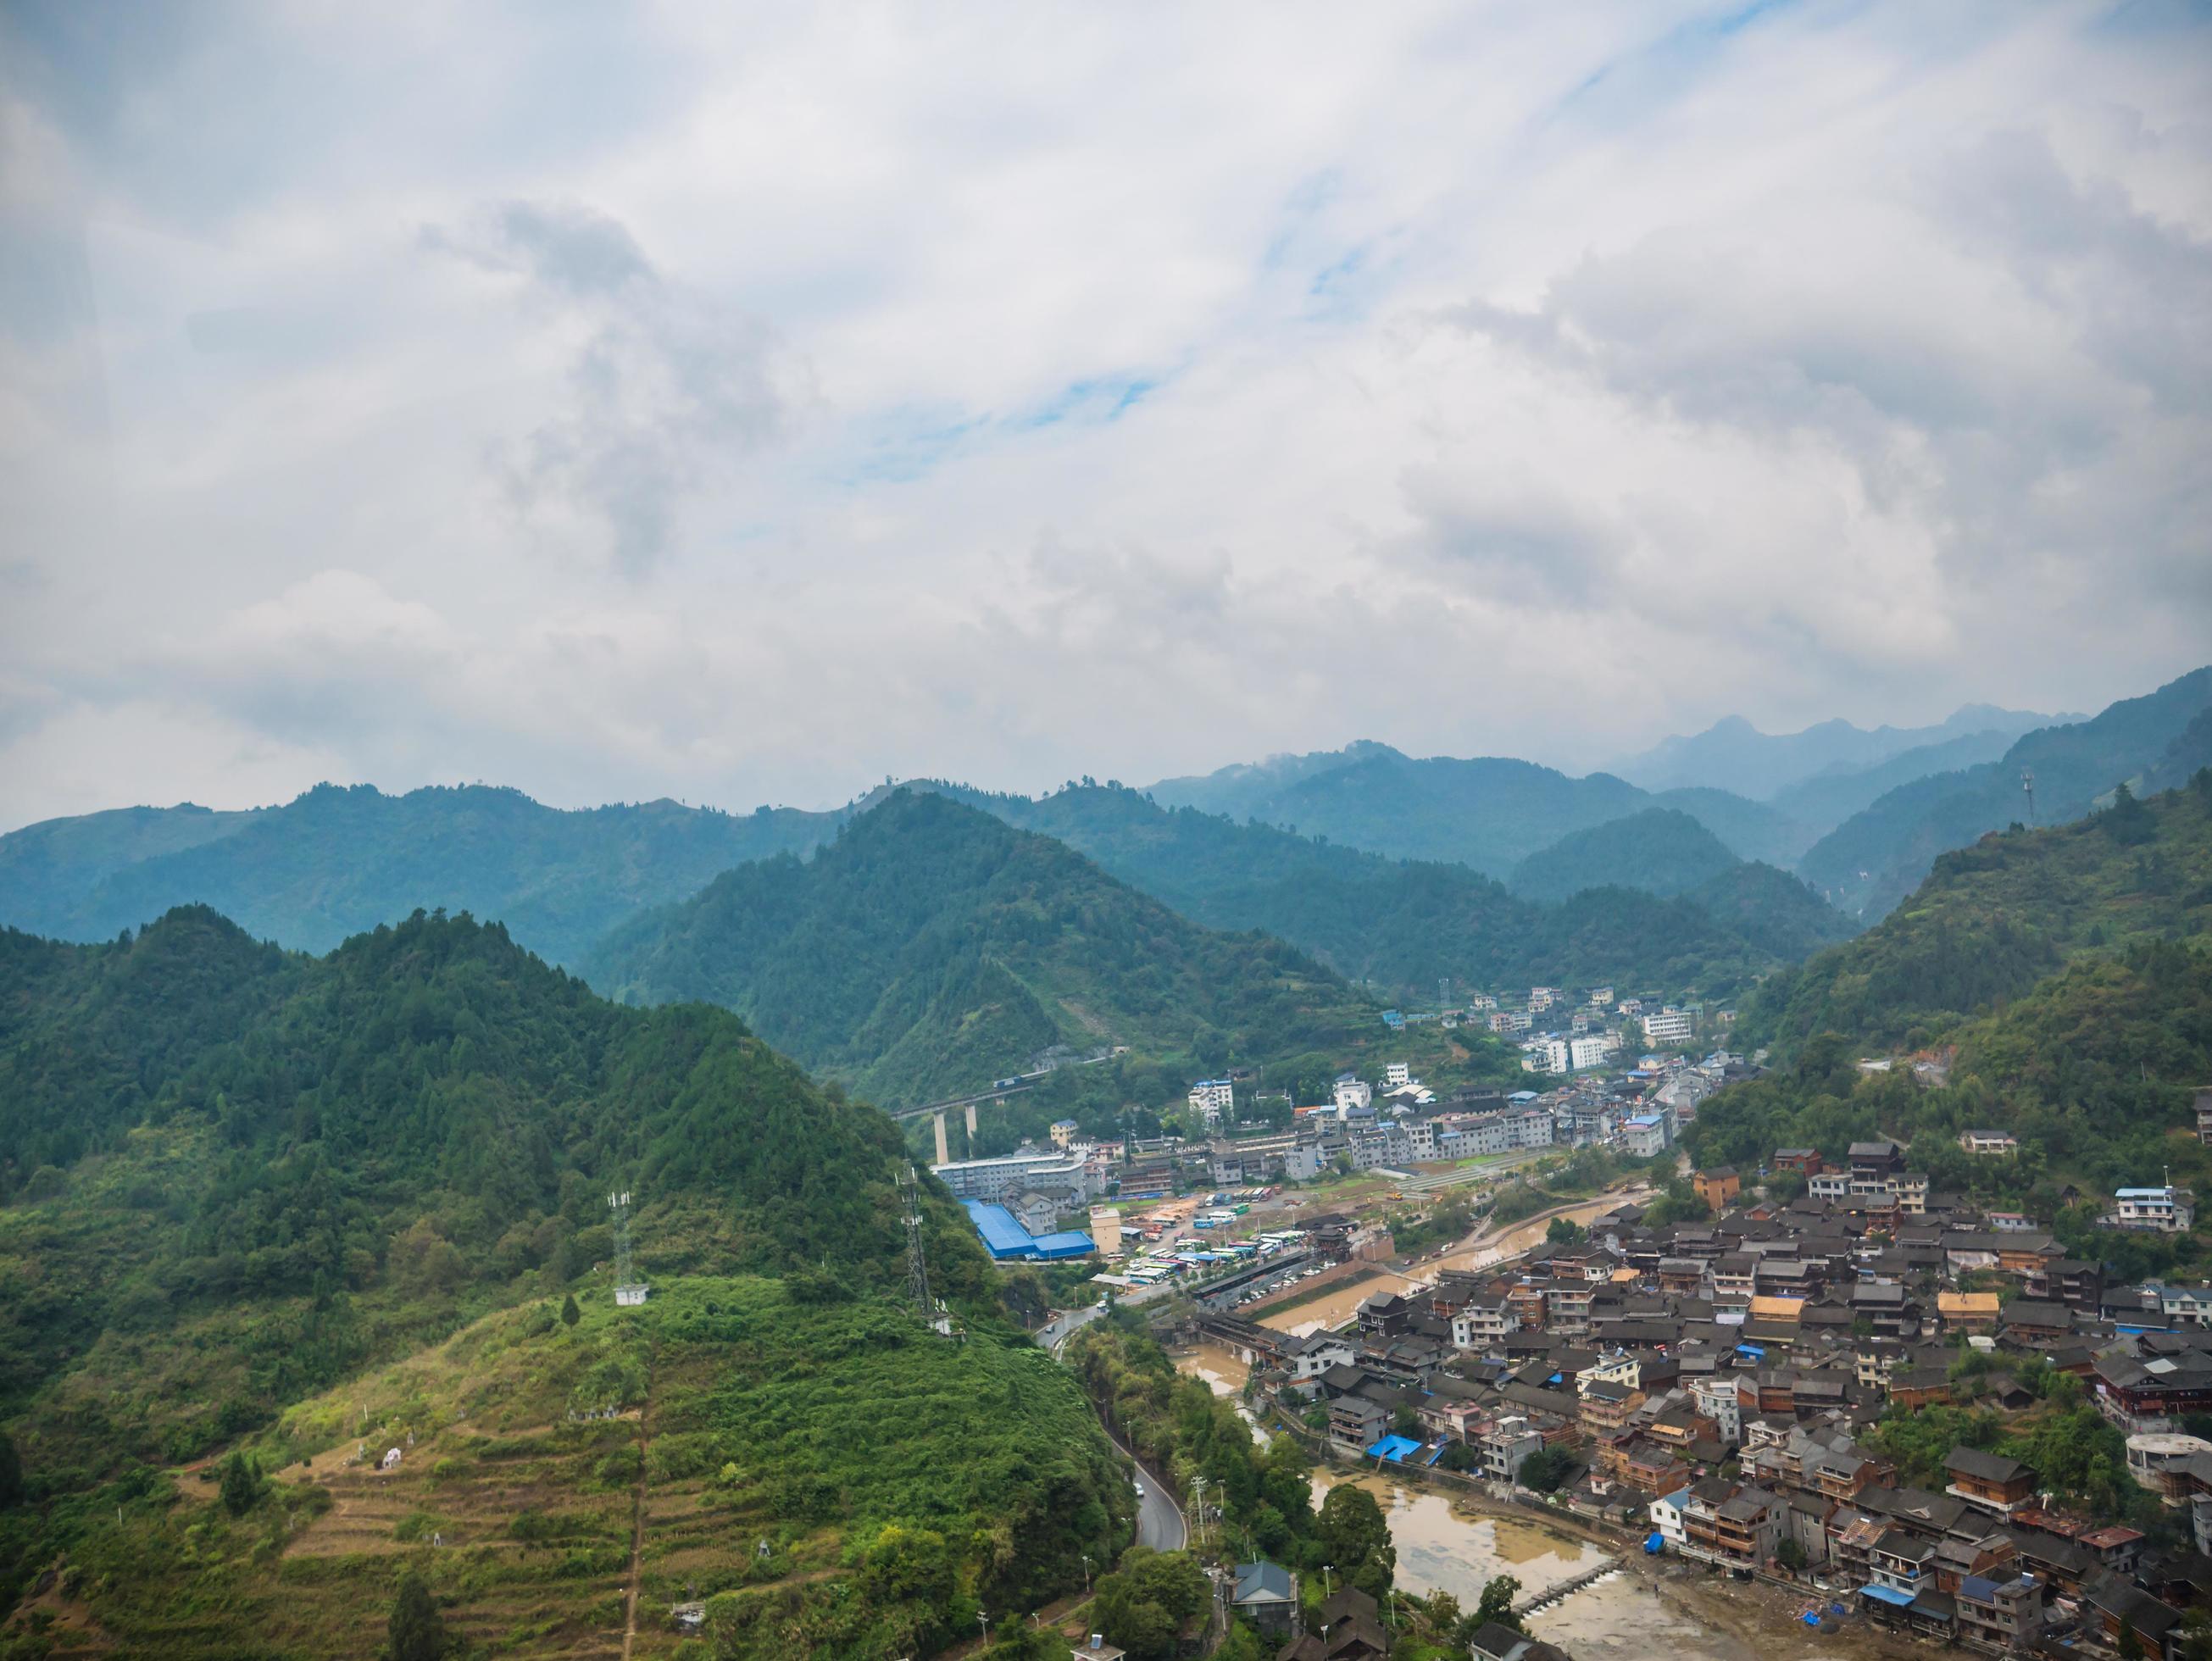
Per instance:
{"type": "Point", "coordinates": [1159, 1519]}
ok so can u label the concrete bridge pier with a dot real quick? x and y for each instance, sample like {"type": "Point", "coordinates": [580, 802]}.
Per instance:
{"type": "Point", "coordinates": [971, 1128]}
{"type": "Point", "coordinates": [944, 1153]}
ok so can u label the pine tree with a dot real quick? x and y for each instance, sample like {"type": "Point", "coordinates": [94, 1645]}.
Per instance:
{"type": "Point", "coordinates": [417, 1632]}
{"type": "Point", "coordinates": [241, 1483]}
{"type": "Point", "coordinates": [569, 1313]}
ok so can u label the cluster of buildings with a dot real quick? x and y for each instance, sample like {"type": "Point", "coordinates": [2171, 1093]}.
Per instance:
{"type": "Point", "coordinates": [1716, 1382]}
{"type": "Point", "coordinates": [1559, 1035]}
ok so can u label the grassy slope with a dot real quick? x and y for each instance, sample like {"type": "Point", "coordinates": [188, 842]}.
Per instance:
{"type": "Point", "coordinates": [735, 1415]}
{"type": "Point", "coordinates": [1992, 920]}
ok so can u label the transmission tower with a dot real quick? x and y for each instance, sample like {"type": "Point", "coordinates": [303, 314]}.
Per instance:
{"type": "Point", "coordinates": [629, 1289]}
{"type": "Point", "coordinates": [917, 1260]}
{"type": "Point", "coordinates": [2028, 785]}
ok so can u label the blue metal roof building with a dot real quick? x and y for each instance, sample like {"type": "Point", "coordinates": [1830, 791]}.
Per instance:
{"type": "Point", "coordinates": [1005, 1238]}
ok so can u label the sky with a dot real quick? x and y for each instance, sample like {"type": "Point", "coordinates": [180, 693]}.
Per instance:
{"type": "Point", "coordinates": [748, 403]}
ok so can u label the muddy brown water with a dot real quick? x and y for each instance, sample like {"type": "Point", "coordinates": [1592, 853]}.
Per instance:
{"type": "Point", "coordinates": [1618, 1618]}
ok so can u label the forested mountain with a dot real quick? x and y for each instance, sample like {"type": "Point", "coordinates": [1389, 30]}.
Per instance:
{"type": "Point", "coordinates": [933, 948]}
{"type": "Point", "coordinates": [1828, 797]}
{"type": "Point", "coordinates": [1992, 920]}
{"type": "Point", "coordinates": [1490, 813]}
{"type": "Point", "coordinates": [1407, 924]}
{"type": "Point", "coordinates": [1734, 755]}
{"type": "Point", "coordinates": [231, 1176]}
{"type": "Point", "coordinates": [1661, 850]}
{"type": "Point", "coordinates": [338, 860]}
{"type": "Point", "coordinates": [194, 1125]}
{"type": "Point", "coordinates": [1878, 856]}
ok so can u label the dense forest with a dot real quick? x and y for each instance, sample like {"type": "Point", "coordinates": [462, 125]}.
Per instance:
{"type": "Point", "coordinates": [1661, 850]}
{"type": "Point", "coordinates": [1992, 920]}
{"type": "Point", "coordinates": [1403, 926]}
{"type": "Point", "coordinates": [931, 947]}
{"type": "Point", "coordinates": [233, 1177]}
{"type": "Point", "coordinates": [234, 1174]}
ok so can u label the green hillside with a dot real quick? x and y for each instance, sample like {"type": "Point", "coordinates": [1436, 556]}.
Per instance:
{"type": "Point", "coordinates": [1404, 925]}
{"type": "Point", "coordinates": [1992, 920]}
{"type": "Point", "coordinates": [234, 1178]}
{"type": "Point", "coordinates": [898, 1480]}
{"type": "Point", "coordinates": [337, 862]}
{"type": "Point", "coordinates": [931, 947]}
{"type": "Point", "coordinates": [1874, 859]}
{"type": "Point", "coordinates": [2095, 1068]}
{"type": "Point", "coordinates": [1661, 850]}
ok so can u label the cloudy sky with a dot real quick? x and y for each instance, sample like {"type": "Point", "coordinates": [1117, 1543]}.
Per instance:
{"type": "Point", "coordinates": [746, 403]}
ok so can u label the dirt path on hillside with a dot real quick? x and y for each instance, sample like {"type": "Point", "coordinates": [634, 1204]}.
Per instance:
{"type": "Point", "coordinates": [637, 1517]}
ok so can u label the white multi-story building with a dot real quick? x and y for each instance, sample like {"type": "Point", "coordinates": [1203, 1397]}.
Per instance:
{"type": "Point", "coordinates": [1482, 1000]}
{"type": "Point", "coordinates": [1668, 1027]}
{"type": "Point", "coordinates": [1543, 1055]}
{"type": "Point", "coordinates": [1646, 1134]}
{"type": "Point", "coordinates": [1396, 1073]}
{"type": "Point", "coordinates": [1601, 996]}
{"type": "Point", "coordinates": [1214, 1099]}
{"type": "Point", "coordinates": [2162, 1210]}
{"type": "Point", "coordinates": [1016, 1173]}
{"type": "Point", "coordinates": [1510, 1021]}
{"type": "Point", "coordinates": [1592, 1050]}
{"type": "Point", "coordinates": [1541, 997]}
{"type": "Point", "coordinates": [1351, 1092]}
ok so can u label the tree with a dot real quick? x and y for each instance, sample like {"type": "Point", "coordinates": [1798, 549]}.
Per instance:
{"type": "Point", "coordinates": [1790, 1555]}
{"type": "Point", "coordinates": [1357, 1537]}
{"type": "Point", "coordinates": [1142, 1605]}
{"type": "Point", "coordinates": [241, 1483]}
{"type": "Point", "coordinates": [569, 1313]}
{"type": "Point", "coordinates": [1496, 1603]}
{"type": "Point", "coordinates": [2130, 1646]}
{"type": "Point", "coordinates": [417, 1631]}
{"type": "Point", "coordinates": [1544, 1471]}
{"type": "Point", "coordinates": [1562, 1230]}
{"type": "Point", "coordinates": [11, 1472]}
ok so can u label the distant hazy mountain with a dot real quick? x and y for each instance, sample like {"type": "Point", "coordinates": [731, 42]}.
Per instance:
{"type": "Point", "coordinates": [1827, 799]}
{"type": "Point", "coordinates": [1489, 812]}
{"type": "Point", "coordinates": [1734, 755]}
{"type": "Point", "coordinates": [1661, 850]}
{"type": "Point", "coordinates": [932, 948]}
{"type": "Point", "coordinates": [337, 861]}
{"type": "Point", "coordinates": [1879, 855]}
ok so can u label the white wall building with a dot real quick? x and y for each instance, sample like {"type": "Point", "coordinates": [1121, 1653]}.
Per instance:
{"type": "Point", "coordinates": [1213, 1099]}
{"type": "Point", "coordinates": [1353, 1092]}
{"type": "Point", "coordinates": [1593, 1049]}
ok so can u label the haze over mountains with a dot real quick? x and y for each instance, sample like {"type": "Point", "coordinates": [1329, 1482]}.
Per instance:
{"type": "Point", "coordinates": [1734, 755]}
{"type": "Point", "coordinates": [930, 950]}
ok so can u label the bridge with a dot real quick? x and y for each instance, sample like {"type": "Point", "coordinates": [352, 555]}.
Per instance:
{"type": "Point", "coordinates": [968, 1104]}
{"type": "Point", "coordinates": [1574, 1584]}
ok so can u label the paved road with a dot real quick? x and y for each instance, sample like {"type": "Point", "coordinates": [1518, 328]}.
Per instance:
{"type": "Point", "coordinates": [1159, 1519]}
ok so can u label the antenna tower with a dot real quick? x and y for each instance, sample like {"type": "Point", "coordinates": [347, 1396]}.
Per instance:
{"type": "Point", "coordinates": [2028, 786]}
{"type": "Point", "coordinates": [917, 1260]}
{"type": "Point", "coordinates": [629, 1289]}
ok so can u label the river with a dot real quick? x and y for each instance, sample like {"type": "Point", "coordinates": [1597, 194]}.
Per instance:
{"type": "Point", "coordinates": [1339, 1305]}
{"type": "Point", "coordinates": [1618, 1618]}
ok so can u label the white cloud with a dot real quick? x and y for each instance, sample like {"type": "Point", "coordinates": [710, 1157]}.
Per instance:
{"type": "Point", "coordinates": [748, 405]}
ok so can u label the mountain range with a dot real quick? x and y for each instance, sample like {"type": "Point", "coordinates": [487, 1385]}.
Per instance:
{"type": "Point", "coordinates": [1734, 755]}
{"type": "Point", "coordinates": [930, 946]}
